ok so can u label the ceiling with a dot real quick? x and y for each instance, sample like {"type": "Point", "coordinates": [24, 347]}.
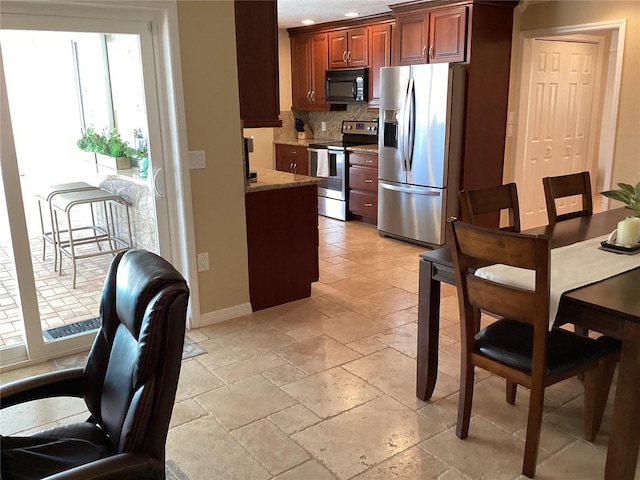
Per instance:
{"type": "Point", "coordinates": [292, 12]}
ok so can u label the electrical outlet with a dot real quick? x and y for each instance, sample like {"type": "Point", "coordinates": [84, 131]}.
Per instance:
{"type": "Point", "coordinates": [324, 126]}
{"type": "Point", "coordinates": [203, 262]}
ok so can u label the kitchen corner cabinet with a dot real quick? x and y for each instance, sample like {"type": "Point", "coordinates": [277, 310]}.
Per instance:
{"type": "Point", "coordinates": [363, 185]}
{"type": "Point", "coordinates": [379, 56]}
{"type": "Point", "coordinates": [257, 55]}
{"type": "Point", "coordinates": [431, 36]}
{"type": "Point", "coordinates": [282, 244]}
{"type": "Point", "coordinates": [292, 159]}
{"type": "Point", "coordinates": [349, 48]}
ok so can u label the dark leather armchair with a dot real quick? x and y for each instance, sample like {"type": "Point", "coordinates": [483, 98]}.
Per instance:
{"type": "Point", "coordinates": [129, 383]}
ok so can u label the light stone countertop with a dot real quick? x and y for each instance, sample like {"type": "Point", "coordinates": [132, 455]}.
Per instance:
{"type": "Point", "coordinates": [294, 141]}
{"type": "Point", "coordinates": [274, 179]}
{"type": "Point", "coordinates": [364, 148]}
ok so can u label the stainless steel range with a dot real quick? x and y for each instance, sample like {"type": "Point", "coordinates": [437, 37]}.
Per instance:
{"type": "Point", "coordinates": [329, 160]}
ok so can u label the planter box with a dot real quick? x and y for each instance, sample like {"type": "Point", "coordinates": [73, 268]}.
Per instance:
{"type": "Point", "coordinates": [117, 163]}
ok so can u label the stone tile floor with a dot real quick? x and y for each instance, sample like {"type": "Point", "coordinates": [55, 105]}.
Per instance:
{"type": "Point", "coordinates": [324, 388]}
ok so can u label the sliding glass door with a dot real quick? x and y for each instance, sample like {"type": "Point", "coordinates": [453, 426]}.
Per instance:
{"type": "Point", "coordinates": [60, 76]}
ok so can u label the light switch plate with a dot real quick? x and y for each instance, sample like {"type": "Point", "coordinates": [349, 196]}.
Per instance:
{"type": "Point", "coordinates": [197, 159]}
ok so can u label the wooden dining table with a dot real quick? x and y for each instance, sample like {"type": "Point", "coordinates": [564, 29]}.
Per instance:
{"type": "Point", "coordinates": [611, 307]}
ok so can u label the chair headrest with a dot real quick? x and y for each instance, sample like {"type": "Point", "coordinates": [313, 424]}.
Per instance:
{"type": "Point", "coordinates": [140, 275]}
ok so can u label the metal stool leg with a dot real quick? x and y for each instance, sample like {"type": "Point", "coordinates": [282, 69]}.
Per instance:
{"type": "Point", "coordinates": [71, 247]}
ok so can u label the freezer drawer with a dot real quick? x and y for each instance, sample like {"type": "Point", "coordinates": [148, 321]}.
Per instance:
{"type": "Point", "coordinates": [412, 213]}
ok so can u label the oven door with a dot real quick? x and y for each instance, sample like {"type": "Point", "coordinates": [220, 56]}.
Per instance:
{"type": "Point", "coordinates": [329, 165]}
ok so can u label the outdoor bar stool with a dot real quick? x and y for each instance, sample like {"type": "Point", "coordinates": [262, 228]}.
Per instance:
{"type": "Point", "coordinates": [104, 237]}
{"type": "Point", "coordinates": [45, 194]}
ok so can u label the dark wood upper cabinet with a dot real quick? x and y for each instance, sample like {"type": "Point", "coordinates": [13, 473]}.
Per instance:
{"type": "Point", "coordinates": [348, 48]}
{"type": "Point", "coordinates": [447, 35]}
{"type": "Point", "coordinates": [379, 56]}
{"type": "Point", "coordinates": [300, 71]}
{"type": "Point", "coordinates": [432, 36]}
{"type": "Point", "coordinates": [257, 55]}
{"type": "Point", "coordinates": [412, 33]}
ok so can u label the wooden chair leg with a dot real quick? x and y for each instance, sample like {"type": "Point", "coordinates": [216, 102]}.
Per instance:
{"type": "Point", "coordinates": [511, 392]}
{"type": "Point", "coordinates": [597, 384]}
{"type": "Point", "coordinates": [534, 425]}
{"type": "Point", "coordinates": [465, 400]}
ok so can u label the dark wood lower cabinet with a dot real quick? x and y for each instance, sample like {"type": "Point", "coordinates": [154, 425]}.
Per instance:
{"type": "Point", "coordinates": [282, 238]}
{"type": "Point", "coordinates": [363, 186]}
{"type": "Point", "coordinates": [292, 159]}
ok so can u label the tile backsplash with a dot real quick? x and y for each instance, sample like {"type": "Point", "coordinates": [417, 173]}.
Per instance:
{"type": "Point", "coordinates": [315, 119]}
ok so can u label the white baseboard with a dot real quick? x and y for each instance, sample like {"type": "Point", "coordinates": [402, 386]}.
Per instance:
{"type": "Point", "coordinates": [218, 316]}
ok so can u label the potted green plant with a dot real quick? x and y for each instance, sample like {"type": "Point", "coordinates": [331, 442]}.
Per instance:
{"type": "Point", "coordinates": [627, 194]}
{"type": "Point", "coordinates": [139, 151]}
{"type": "Point", "coordinates": [111, 151]}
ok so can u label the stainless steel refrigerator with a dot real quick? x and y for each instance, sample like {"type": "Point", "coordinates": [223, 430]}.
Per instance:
{"type": "Point", "coordinates": [419, 149]}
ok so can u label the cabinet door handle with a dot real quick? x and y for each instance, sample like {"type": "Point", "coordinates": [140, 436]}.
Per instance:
{"type": "Point", "coordinates": [291, 167]}
{"type": "Point", "coordinates": [368, 205]}
{"type": "Point", "coordinates": [349, 56]}
{"type": "Point", "coordinates": [295, 167]}
{"type": "Point", "coordinates": [424, 51]}
{"type": "Point", "coordinates": [309, 95]}
{"type": "Point", "coordinates": [313, 95]}
{"type": "Point", "coordinates": [344, 56]}
{"type": "Point", "coordinates": [368, 180]}
{"type": "Point", "coordinates": [368, 161]}
{"type": "Point", "coordinates": [431, 51]}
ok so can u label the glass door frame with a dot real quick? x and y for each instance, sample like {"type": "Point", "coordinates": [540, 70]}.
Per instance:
{"type": "Point", "coordinates": [156, 28]}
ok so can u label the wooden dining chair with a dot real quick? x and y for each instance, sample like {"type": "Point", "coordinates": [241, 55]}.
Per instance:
{"type": "Point", "coordinates": [566, 186]}
{"type": "Point", "coordinates": [518, 346]}
{"type": "Point", "coordinates": [476, 204]}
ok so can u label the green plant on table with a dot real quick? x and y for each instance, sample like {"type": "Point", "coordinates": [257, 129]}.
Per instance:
{"type": "Point", "coordinates": [627, 194]}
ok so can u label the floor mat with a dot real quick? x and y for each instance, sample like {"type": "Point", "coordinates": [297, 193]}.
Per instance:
{"type": "Point", "coordinates": [191, 348]}
{"type": "Point", "coordinates": [72, 329]}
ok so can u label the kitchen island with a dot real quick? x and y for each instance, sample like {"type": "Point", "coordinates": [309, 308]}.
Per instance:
{"type": "Point", "coordinates": [282, 237]}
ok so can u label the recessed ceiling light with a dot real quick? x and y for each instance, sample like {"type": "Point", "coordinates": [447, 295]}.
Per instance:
{"type": "Point", "coordinates": [308, 22]}
{"type": "Point", "coordinates": [351, 14]}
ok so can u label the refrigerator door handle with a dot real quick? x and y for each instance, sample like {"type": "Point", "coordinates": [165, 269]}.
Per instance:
{"type": "Point", "coordinates": [406, 126]}
{"type": "Point", "coordinates": [413, 191]}
{"type": "Point", "coordinates": [411, 98]}
{"type": "Point", "coordinates": [402, 131]}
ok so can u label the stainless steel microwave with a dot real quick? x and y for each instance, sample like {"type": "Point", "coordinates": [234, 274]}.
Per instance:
{"type": "Point", "coordinates": [348, 85]}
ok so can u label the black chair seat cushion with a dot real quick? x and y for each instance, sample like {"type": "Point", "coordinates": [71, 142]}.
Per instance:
{"type": "Point", "coordinates": [52, 451]}
{"type": "Point", "coordinates": [510, 342]}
